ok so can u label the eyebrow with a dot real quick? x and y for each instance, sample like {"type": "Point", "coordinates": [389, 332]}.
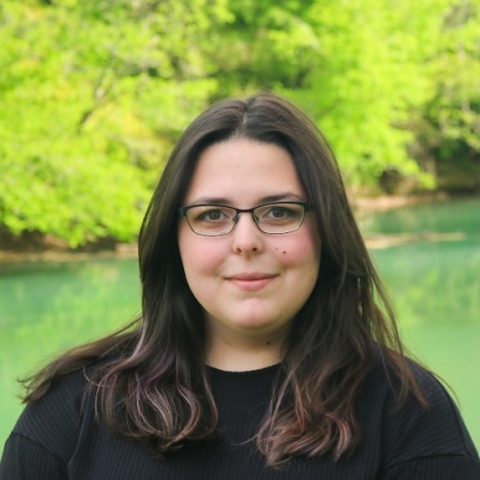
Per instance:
{"type": "Point", "coordinates": [281, 197]}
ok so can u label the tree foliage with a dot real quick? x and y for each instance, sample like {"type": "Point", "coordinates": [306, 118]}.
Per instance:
{"type": "Point", "coordinates": [95, 92]}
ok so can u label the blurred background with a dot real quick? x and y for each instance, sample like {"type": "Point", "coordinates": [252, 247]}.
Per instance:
{"type": "Point", "coordinates": [94, 94]}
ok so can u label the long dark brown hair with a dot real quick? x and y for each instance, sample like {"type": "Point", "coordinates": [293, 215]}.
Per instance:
{"type": "Point", "coordinates": [155, 367]}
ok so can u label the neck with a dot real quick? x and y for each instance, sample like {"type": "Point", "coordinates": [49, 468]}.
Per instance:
{"type": "Point", "coordinates": [234, 353]}
{"type": "Point", "coordinates": [240, 361]}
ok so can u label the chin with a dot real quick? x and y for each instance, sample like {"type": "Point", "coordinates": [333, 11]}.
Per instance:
{"type": "Point", "coordinates": [259, 324]}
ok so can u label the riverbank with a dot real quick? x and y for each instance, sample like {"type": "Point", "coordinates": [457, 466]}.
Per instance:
{"type": "Point", "coordinates": [121, 250]}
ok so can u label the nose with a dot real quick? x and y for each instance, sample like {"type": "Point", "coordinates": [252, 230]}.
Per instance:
{"type": "Point", "coordinates": [247, 237]}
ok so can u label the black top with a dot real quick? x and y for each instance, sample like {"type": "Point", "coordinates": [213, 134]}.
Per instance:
{"type": "Point", "coordinates": [52, 441]}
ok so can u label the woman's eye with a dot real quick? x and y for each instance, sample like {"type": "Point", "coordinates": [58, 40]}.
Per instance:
{"type": "Point", "coordinates": [278, 212]}
{"type": "Point", "coordinates": [214, 215]}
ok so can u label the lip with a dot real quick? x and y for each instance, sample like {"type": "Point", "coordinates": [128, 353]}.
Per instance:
{"type": "Point", "coordinates": [251, 281]}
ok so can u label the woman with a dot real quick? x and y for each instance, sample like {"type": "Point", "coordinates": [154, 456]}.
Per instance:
{"type": "Point", "coordinates": [262, 352]}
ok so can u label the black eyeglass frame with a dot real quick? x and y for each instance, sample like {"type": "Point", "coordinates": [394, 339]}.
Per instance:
{"type": "Point", "coordinates": [307, 207]}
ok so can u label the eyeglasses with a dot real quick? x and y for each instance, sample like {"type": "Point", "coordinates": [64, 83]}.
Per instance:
{"type": "Point", "coordinates": [272, 218]}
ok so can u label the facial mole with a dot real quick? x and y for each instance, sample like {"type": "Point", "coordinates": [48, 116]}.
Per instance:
{"type": "Point", "coordinates": [284, 252]}
{"type": "Point", "coordinates": [268, 343]}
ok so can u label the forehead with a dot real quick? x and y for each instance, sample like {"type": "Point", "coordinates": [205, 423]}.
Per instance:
{"type": "Point", "coordinates": [244, 171]}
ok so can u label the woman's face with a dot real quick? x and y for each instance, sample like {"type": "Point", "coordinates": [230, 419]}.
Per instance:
{"type": "Point", "coordinates": [249, 283]}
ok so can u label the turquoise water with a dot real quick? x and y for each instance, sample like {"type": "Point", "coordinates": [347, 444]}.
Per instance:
{"type": "Point", "coordinates": [48, 307]}
{"type": "Point", "coordinates": [434, 282]}
{"type": "Point", "coordinates": [435, 286]}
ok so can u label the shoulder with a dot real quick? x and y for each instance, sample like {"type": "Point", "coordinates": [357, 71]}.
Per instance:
{"type": "Point", "coordinates": [413, 431]}
{"type": "Point", "coordinates": [53, 422]}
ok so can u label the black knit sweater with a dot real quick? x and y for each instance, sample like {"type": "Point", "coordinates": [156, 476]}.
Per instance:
{"type": "Point", "coordinates": [52, 441]}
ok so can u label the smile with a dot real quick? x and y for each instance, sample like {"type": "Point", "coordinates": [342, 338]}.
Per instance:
{"type": "Point", "coordinates": [251, 282]}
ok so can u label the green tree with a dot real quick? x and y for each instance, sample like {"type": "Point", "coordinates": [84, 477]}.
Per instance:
{"type": "Point", "coordinates": [449, 121]}
{"type": "Point", "coordinates": [364, 70]}
{"type": "Point", "coordinates": [93, 93]}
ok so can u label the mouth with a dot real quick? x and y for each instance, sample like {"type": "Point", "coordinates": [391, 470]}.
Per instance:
{"type": "Point", "coordinates": [251, 282]}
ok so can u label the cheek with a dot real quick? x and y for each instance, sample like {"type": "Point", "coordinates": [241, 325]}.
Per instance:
{"type": "Point", "coordinates": [207, 261]}
{"type": "Point", "coordinates": [198, 257]}
{"type": "Point", "coordinates": [283, 251]}
{"type": "Point", "coordinates": [302, 251]}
